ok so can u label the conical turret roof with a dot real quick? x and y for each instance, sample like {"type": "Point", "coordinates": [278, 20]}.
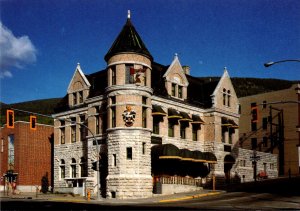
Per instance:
{"type": "Point", "coordinates": [128, 41]}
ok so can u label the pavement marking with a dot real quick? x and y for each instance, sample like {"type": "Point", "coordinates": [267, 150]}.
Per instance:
{"type": "Point", "coordinates": [190, 197]}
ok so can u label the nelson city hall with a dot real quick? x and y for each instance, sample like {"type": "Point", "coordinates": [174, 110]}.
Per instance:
{"type": "Point", "coordinates": [139, 128]}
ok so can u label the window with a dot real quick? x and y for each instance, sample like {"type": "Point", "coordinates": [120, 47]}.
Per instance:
{"type": "Point", "coordinates": [265, 141]}
{"type": "Point", "coordinates": [74, 98]}
{"type": "Point", "coordinates": [171, 126]}
{"type": "Point", "coordinates": [155, 125]}
{"type": "Point", "coordinates": [144, 100]}
{"type": "Point", "coordinates": [224, 96]}
{"type": "Point", "coordinates": [264, 104]}
{"type": "Point", "coordinates": [224, 130]}
{"type": "Point", "coordinates": [73, 168]}
{"type": "Point", "coordinates": [173, 89]}
{"type": "Point", "coordinates": [195, 128]}
{"type": "Point", "coordinates": [62, 169]}
{"type": "Point", "coordinates": [83, 167]}
{"type": "Point", "coordinates": [180, 92]}
{"type": "Point", "coordinates": [143, 148]}
{"type": "Point", "coordinates": [114, 160]}
{"type": "Point", "coordinates": [80, 93]}
{"type": "Point", "coordinates": [97, 124]}
{"type": "Point", "coordinates": [253, 143]}
{"type": "Point", "coordinates": [113, 100]}
{"type": "Point", "coordinates": [113, 117]}
{"type": "Point", "coordinates": [231, 132]}
{"type": "Point", "coordinates": [182, 131]}
{"type": "Point", "coordinates": [144, 117]}
{"type": "Point", "coordinates": [265, 123]}
{"type": "Point", "coordinates": [129, 75]}
{"type": "Point", "coordinates": [113, 75]}
{"type": "Point", "coordinates": [253, 126]}
{"type": "Point", "coordinates": [62, 135]}
{"type": "Point", "coordinates": [228, 98]}
{"type": "Point", "coordinates": [129, 153]}
{"type": "Point", "coordinates": [242, 163]}
{"type": "Point", "coordinates": [83, 130]}
{"type": "Point", "coordinates": [73, 133]}
{"type": "Point", "coordinates": [11, 151]}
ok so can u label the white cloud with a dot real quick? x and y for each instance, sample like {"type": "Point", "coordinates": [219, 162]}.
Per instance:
{"type": "Point", "coordinates": [16, 52]}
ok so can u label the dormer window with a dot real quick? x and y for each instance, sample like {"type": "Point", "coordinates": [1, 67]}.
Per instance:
{"type": "Point", "coordinates": [226, 97]}
{"type": "Point", "coordinates": [74, 98]}
{"type": "Point", "coordinates": [179, 91]}
{"type": "Point", "coordinates": [173, 90]}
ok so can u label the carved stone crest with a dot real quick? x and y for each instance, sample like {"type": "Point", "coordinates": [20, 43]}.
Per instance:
{"type": "Point", "coordinates": [129, 116]}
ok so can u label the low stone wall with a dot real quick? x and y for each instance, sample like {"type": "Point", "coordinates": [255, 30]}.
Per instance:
{"type": "Point", "coordinates": [174, 188]}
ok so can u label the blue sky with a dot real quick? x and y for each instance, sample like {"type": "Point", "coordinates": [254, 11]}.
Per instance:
{"type": "Point", "coordinates": [41, 41]}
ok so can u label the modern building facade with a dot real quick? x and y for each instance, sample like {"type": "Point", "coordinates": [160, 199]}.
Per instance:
{"type": "Point", "coordinates": [269, 123]}
{"type": "Point", "coordinates": [147, 124]}
{"type": "Point", "coordinates": [26, 156]}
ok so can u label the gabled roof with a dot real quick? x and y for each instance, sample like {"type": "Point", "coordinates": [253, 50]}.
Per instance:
{"type": "Point", "coordinates": [128, 41]}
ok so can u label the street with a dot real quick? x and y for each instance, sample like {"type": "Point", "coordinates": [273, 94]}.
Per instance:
{"type": "Point", "coordinates": [222, 201]}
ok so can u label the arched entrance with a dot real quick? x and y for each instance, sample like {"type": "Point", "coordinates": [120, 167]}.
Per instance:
{"type": "Point", "coordinates": [229, 160]}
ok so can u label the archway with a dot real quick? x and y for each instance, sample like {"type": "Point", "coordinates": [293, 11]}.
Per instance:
{"type": "Point", "coordinates": [229, 160]}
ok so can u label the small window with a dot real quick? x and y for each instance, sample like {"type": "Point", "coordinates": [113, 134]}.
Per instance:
{"type": "Point", "coordinates": [224, 96]}
{"type": "Point", "coordinates": [74, 98]}
{"type": "Point", "coordinates": [80, 93]}
{"type": "Point", "coordinates": [264, 104]}
{"type": "Point", "coordinates": [113, 117]}
{"type": "Point", "coordinates": [254, 143]}
{"type": "Point", "coordinates": [179, 91]}
{"type": "Point", "coordinates": [113, 100]}
{"type": "Point", "coordinates": [73, 168]}
{"type": "Point", "coordinates": [113, 75]}
{"type": "Point", "coordinates": [144, 100]}
{"type": "Point", "coordinates": [171, 128]}
{"type": "Point", "coordinates": [265, 141]}
{"type": "Point", "coordinates": [182, 131]}
{"type": "Point", "coordinates": [253, 126]}
{"type": "Point", "coordinates": [129, 153]}
{"type": "Point", "coordinates": [130, 71]}
{"type": "Point", "coordinates": [144, 117]}
{"type": "Point", "coordinates": [195, 128]}
{"type": "Point", "coordinates": [155, 125]}
{"type": "Point", "coordinates": [62, 136]}
{"type": "Point", "coordinates": [143, 148]}
{"type": "Point", "coordinates": [228, 98]}
{"type": "Point", "coordinates": [62, 169]}
{"type": "Point", "coordinates": [173, 90]}
{"type": "Point", "coordinates": [265, 123]}
{"type": "Point", "coordinates": [114, 159]}
{"type": "Point", "coordinates": [73, 133]}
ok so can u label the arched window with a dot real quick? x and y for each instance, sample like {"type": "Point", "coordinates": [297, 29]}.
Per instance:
{"type": "Point", "coordinates": [73, 168]}
{"type": "Point", "coordinates": [83, 167]}
{"type": "Point", "coordinates": [224, 96]}
{"type": "Point", "coordinates": [62, 166]}
{"type": "Point", "coordinates": [228, 98]}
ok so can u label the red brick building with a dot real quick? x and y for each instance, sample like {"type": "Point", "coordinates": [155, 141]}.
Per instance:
{"type": "Point", "coordinates": [26, 156]}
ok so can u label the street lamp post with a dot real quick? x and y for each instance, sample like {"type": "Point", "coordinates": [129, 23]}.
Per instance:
{"type": "Point", "coordinates": [268, 64]}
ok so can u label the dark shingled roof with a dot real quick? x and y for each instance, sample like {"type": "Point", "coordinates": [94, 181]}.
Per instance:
{"type": "Point", "coordinates": [128, 41]}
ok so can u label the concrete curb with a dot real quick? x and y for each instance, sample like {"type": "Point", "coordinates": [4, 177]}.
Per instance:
{"type": "Point", "coordinates": [189, 197]}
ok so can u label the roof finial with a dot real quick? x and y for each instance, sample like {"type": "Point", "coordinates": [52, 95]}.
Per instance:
{"type": "Point", "coordinates": [128, 14]}
{"type": "Point", "coordinates": [176, 55]}
{"type": "Point", "coordinates": [225, 69]}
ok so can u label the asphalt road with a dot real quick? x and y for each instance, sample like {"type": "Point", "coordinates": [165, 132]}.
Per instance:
{"type": "Point", "coordinates": [224, 201]}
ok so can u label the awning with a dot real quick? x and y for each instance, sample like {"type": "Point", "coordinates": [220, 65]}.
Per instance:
{"type": "Point", "coordinates": [196, 119]}
{"type": "Point", "coordinates": [158, 111]}
{"type": "Point", "coordinates": [185, 117]}
{"type": "Point", "coordinates": [173, 114]}
{"type": "Point", "coordinates": [233, 124]}
{"type": "Point", "coordinates": [186, 155]}
{"type": "Point", "coordinates": [198, 156]}
{"type": "Point", "coordinates": [210, 157]}
{"type": "Point", "coordinates": [229, 159]}
{"type": "Point", "coordinates": [169, 151]}
{"type": "Point", "coordinates": [225, 122]}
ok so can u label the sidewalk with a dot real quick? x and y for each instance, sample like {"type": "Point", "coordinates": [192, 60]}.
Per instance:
{"type": "Point", "coordinates": [157, 198]}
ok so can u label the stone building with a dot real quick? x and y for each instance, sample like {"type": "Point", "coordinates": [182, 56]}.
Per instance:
{"type": "Point", "coordinates": [26, 156]}
{"type": "Point", "coordinates": [276, 127]}
{"type": "Point", "coordinates": [148, 124]}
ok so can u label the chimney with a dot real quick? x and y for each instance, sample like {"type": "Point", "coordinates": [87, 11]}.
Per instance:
{"type": "Point", "coordinates": [186, 69]}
